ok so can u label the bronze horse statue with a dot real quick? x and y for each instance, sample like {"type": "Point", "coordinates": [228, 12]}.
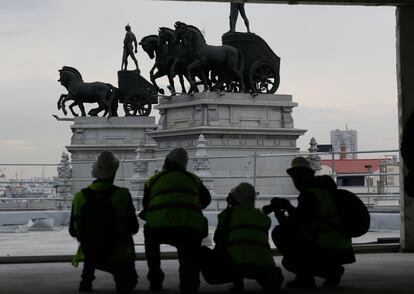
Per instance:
{"type": "Point", "coordinates": [80, 92]}
{"type": "Point", "coordinates": [179, 58]}
{"type": "Point", "coordinates": [225, 61]}
{"type": "Point", "coordinates": [159, 50]}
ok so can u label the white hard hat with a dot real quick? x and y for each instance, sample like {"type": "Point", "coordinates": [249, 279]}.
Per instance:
{"type": "Point", "coordinates": [244, 194]}
{"type": "Point", "coordinates": [105, 166]}
{"type": "Point", "coordinates": [300, 164]}
{"type": "Point", "coordinates": [178, 156]}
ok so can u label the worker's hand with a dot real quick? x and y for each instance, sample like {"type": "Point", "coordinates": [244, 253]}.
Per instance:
{"type": "Point", "coordinates": [279, 203]}
{"type": "Point", "coordinates": [267, 209]}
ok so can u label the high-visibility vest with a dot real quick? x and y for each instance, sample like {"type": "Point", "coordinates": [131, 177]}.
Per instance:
{"type": "Point", "coordinates": [248, 240]}
{"type": "Point", "coordinates": [325, 231]}
{"type": "Point", "coordinates": [174, 201]}
{"type": "Point", "coordinates": [120, 201]}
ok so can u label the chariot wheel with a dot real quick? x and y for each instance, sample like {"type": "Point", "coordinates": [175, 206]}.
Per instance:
{"type": "Point", "coordinates": [263, 78]}
{"type": "Point", "coordinates": [137, 105]}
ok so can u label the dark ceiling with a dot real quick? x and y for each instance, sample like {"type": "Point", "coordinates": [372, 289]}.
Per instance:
{"type": "Point", "coordinates": [326, 2]}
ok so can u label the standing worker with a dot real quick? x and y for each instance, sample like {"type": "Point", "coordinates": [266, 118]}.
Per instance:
{"type": "Point", "coordinates": [173, 203]}
{"type": "Point", "coordinates": [103, 220]}
{"type": "Point", "coordinates": [242, 245]}
{"type": "Point", "coordinates": [129, 41]}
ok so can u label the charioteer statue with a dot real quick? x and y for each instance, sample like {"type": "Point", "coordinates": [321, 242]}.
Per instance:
{"type": "Point", "coordinates": [235, 8]}
{"type": "Point", "coordinates": [129, 41]}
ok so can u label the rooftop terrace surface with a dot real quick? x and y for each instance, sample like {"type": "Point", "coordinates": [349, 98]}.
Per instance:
{"type": "Point", "coordinates": [372, 273]}
{"type": "Point", "coordinates": [59, 242]}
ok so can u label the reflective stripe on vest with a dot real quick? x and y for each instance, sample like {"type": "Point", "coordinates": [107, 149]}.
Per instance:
{"type": "Point", "coordinates": [325, 231]}
{"type": "Point", "coordinates": [248, 241]}
{"type": "Point", "coordinates": [174, 200]}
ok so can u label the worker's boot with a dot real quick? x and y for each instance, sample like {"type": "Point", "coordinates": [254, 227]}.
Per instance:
{"type": "Point", "coordinates": [302, 282]}
{"type": "Point", "coordinates": [155, 278]}
{"type": "Point", "coordinates": [333, 277]}
{"type": "Point", "coordinates": [85, 286]}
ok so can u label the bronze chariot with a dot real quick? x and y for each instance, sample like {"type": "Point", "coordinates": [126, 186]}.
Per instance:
{"type": "Point", "coordinates": [261, 64]}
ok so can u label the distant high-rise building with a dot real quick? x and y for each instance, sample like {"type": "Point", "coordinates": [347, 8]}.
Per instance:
{"type": "Point", "coordinates": [345, 141]}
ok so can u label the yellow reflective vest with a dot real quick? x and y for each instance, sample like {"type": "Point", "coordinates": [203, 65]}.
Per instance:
{"type": "Point", "coordinates": [325, 231]}
{"type": "Point", "coordinates": [121, 200]}
{"type": "Point", "coordinates": [174, 201]}
{"type": "Point", "coordinates": [248, 239]}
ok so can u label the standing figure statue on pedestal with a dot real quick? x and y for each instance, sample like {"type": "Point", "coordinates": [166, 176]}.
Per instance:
{"type": "Point", "coordinates": [129, 43]}
{"type": "Point", "coordinates": [235, 8]}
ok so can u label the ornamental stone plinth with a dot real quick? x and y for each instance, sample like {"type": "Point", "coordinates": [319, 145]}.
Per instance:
{"type": "Point", "coordinates": [238, 130]}
{"type": "Point", "coordinates": [121, 135]}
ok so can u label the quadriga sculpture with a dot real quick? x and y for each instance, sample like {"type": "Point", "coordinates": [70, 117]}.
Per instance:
{"type": "Point", "coordinates": [225, 61]}
{"type": "Point", "coordinates": [158, 47]}
{"type": "Point", "coordinates": [80, 92]}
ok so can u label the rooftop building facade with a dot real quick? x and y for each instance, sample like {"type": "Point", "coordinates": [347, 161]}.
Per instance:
{"type": "Point", "coordinates": [345, 141]}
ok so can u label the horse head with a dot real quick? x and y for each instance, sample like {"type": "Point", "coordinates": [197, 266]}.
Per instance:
{"type": "Point", "coordinates": [189, 35]}
{"type": "Point", "coordinates": [68, 75]}
{"type": "Point", "coordinates": [149, 44]}
{"type": "Point", "coordinates": [179, 25]}
{"type": "Point", "coordinates": [181, 35]}
{"type": "Point", "coordinates": [166, 35]}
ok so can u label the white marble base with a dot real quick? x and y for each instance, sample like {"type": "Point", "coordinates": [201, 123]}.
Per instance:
{"type": "Point", "coordinates": [121, 135]}
{"type": "Point", "coordinates": [233, 124]}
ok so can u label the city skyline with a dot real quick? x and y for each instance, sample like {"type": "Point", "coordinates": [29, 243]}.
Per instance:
{"type": "Point", "coordinates": [337, 62]}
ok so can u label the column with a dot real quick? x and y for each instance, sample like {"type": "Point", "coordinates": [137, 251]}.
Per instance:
{"type": "Point", "coordinates": [201, 163]}
{"type": "Point", "coordinates": [314, 159]}
{"type": "Point", "coordinates": [405, 77]}
{"type": "Point", "coordinates": [63, 185]}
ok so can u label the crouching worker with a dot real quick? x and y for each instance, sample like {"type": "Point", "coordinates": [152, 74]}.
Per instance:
{"type": "Point", "coordinates": [103, 220]}
{"type": "Point", "coordinates": [173, 202]}
{"type": "Point", "coordinates": [309, 236]}
{"type": "Point", "coordinates": [242, 247]}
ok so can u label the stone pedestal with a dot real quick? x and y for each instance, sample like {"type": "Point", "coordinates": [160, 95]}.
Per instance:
{"type": "Point", "coordinates": [238, 130]}
{"type": "Point", "coordinates": [121, 135]}
{"type": "Point", "coordinates": [63, 181]}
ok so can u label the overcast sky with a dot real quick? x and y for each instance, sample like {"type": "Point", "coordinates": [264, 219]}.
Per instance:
{"type": "Point", "coordinates": [337, 62]}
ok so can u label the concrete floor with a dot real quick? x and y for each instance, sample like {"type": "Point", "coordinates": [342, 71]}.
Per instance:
{"type": "Point", "coordinates": [373, 273]}
{"type": "Point", "coordinates": [59, 242]}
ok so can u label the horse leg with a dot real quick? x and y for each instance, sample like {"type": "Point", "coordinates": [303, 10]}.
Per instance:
{"type": "Point", "coordinates": [238, 68]}
{"type": "Point", "coordinates": [189, 81]}
{"type": "Point", "coordinates": [219, 85]}
{"type": "Point", "coordinates": [240, 77]}
{"type": "Point", "coordinates": [171, 87]}
{"type": "Point", "coordinates": [59, 106]}
{"type": "Point", "coordinates": [71, 108]}
{"type": "Point", "coordinates": [82, 109]}
{"type": "Point", "coordinates": [114, 107]}
{"type": "Point", "coordinates": [110, 102]}
{"type": "Point", "coordinates": [197, 63]}
{"type": "Point", "coordinates": [95, 111]}
{"type": "Point", "coordinates": [183, 90]}
{"type": "Point", "coordinates": [204, 79]}
{"type": "Point", "coordinates": [173, 67]}
{"type": "Point", "coordinates": [237, 75]}
{"type": "Point", "coordinates": [102, 108]}
{"type": "Point", "coordinates": [157, 75]}
{"type": "Point", "coordinates": [68, 97]}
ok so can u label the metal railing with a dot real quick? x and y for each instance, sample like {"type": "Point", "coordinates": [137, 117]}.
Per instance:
{"type": "Point", "coordinates": [369, 193]}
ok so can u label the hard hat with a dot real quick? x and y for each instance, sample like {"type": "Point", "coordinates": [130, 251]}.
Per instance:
{"type": "Point", "coordinates": [105, 166]}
